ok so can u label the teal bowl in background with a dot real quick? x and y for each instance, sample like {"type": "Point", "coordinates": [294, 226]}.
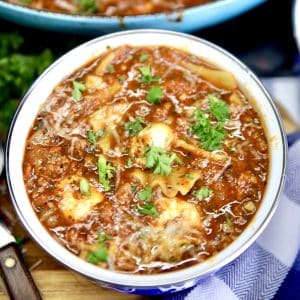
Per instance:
{"type": "Point", "coordinates": [191, 19]}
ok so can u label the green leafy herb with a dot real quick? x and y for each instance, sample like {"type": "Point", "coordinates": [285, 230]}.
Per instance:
{"type": "Point", "coordinates": [159, 160]}
{"type": "Point", "coordinates": [211, 137]}
{"type": "Point", "coordinates": [128, 163]}
{"type": "Point", "coordinates": [228, 222]}
{"type": "Point", "coordinates": [218, 108]}
{"type": "Point", "coordinates": [110, 68]}
{"type": "Point", "coordinates": [26, 2]}
{"type": "Point", "coordinates": [134, 127]}
{"type": "Point", "coordinates": [20, 240]}
{"type": "Point", "coordinates": [146, 76]}
{"type": "Point", "coordinates": [149, 209]}
{"type": "Point", "coordinates": [17, 72]}
{"type": "Point", "coordinates": [105, 170]}
{"type": "Point", "coordinates": [133, 188]}
{"type": "Point", "coordinates": [99, 255]}
{"type": "Point", "coordinates": [84, 187]}
{"type": "Point", "coordinates": [143, 57]}
{"type": "Point", "coordinates": [93, 136]}
{"type": "Point", "coordinates": [103, 237]}
{"type": "Point", "coordinates": [189, 176]}
{"type": "Point", "coordinates": [78, 88]}
{"type": "Point", "coordinates": [145, 194]}
{"type": "Point", "coordinates": [203, 193]}
{"type": "Point", "coordinates": [122, 79]}
{"type": "Point", "coordinates": [155, 94]}
{"type": "Point", "coordinates": [87, 6]}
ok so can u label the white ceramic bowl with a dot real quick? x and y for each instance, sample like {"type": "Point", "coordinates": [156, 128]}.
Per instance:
{"type": "Point", "coordinates": [296, 20]}
{"type": "Point", "coordinates": [158, 283]}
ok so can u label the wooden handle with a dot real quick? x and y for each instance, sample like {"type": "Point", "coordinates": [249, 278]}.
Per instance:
{"type": "Point", "coordinates": [17, 278]}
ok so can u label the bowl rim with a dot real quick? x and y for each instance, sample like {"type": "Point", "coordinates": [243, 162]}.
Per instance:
{"type": "Point", "coordinates": [130, 277]}
{"type": "Point", "coordinates": [82, 17]}
{"type": "Point", "coordinates": [296, 22]}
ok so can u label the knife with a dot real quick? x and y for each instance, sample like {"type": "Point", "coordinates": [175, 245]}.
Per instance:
{"type": "Point", "coordinates": [16, 277]}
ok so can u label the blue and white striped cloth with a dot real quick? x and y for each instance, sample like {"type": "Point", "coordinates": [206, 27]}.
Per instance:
{"type": "Point", "coordinates": [270, 268]}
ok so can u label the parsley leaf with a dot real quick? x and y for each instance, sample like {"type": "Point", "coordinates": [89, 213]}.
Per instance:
{"type": "Point", "coordinates": [146, 76]}
{"type": "Point", "coordinates": [105, 170]}
{"type": "Point", "coordinates": [88, 6]}
{"type": "Point", "coordinates": [103, 237]}
{"type": "Point", "coordinates": [211, 137]}
{"type": "Point", "coordinates": [110, 68]}
{"type": "Point", "coordinates": [84, 187]}
{"type": "Point", "coordinates": [78, 88]}
{"type": "Point", "coordinates": [159, 160]}
{"type": "Point", "coordinates": [93, 136]}
{"type": "Point", "coordinates": [149, 209]}
{"type": "Point", "coordinates": [155, 94]}
{"type": "Point", "coordinates": [218, 108]}
{"type": "Point", "coordinates": [99, 255]}
{"type": "Point", "coordinates": [145, 194]}
{"type": "Point", "coordinates": [143, 57]}
{"type": "Point", "coordinates": [134, 127]}
{"type": "Point", "coordinates": [203, 193]}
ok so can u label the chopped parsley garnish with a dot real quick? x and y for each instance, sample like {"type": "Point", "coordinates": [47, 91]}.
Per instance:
{"type": "Point", "coordinates": [99, 255]}
{"type": "Point", "coordinates": [78, 88]}
{"type": "Point", "coordinates": [155, 94]}
{"type": "Point", "coordinates": [159, 160]}
{"type": "Point", "coordinates": [134, 127]}
{"type": "Point", "coordinates": [189, 176]}
{"type": "Point", "coordinates": [143, 57]}
{"type": "Point", "coordinates": [149, 209]}
{"type": "Point", "coordinates": [103, 237]}
{"type": "Point", "coordinates": [105, 170]}
{"type": "Point", "coordinates": [20, 240]}
{"type": "Point", "coordinates": [203, 193]}
{"type": "Point", "coordinates": [145, 194]}
{"type": "Point", "coordinates": [93, 136]}
{"type": "Point", "coordinates": [218, 108]}
{"type": "Point", "coordinates": [128, 163]}
{"type": "Point", "coordinates": [87, 6]}
{"type": "Point", "coordinates": [133, 188]}
{"type": "Point", "coordinates": [146, 76]}
{"type": "Point", "coordinates": [110, 68]}
{"type": "Point", "coordinates": [211, 137]}
{"type": "Point", "coordinates": [122, 79]}
{"type": "Point", "coordinates": [84, 187]}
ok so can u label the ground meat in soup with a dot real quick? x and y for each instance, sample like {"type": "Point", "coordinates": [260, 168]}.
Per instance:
{"type": "Point", "coordinates": [144, 144]}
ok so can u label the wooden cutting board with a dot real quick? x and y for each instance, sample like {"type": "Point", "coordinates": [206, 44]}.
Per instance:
{"type": "Point", "coordinates": [57, 283]}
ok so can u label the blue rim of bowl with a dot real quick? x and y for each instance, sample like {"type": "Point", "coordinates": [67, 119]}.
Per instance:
{"type": "Point", "coordinates": [81, 17]}
{"type": "Point", "coordinates": [212, 268]}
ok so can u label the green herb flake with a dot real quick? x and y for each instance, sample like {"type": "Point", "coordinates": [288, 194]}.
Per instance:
{"type": "Point", "coordinates": [105, 170]}
{"type": "Point", "coordinates": [122, 79]}
{"type": "Point", "coordinates": [87, 6]}
{"type": "Point", "coordinates": [92, 137]}
{"type": "Point", "coordinates": [228, 222]}
{"type": "Point", "coordinates": [145, 194]}
{"type": "Point", "coordinates": [146, 75]}
{"type": "Point", "coordinates": [189, 176]}
{"type": "Point", "coordinates": [159, 160]}
{"type": "Point", "coordinates": [143, 57]}
{"type": "Point", "coordinates": [84, 187]}
{"type": "Point", "coordinates": [78, 88]}
{"type": "Point", "coordinates": [128, 163]}
{"type": "Point", "coordinates": [133, 188]}
{"type": "Point", "coordinates": [104, 237]}
{"type": "Point", "coordinates": [155, 94]}
{"type": "Point", "coordinates": [203, 193]}
{"type": "Point", "coordinates": [134, 127]}
{"type": "Point", "coordinates": [20, 240]}
{"type": "Point", "coordinates": [211, 137]}
{"type": "Point", "coordinates": [99, 255]}
{"type": "Point", "coordinates": [110, 68]}
{"type": "Point", "coordinates": [218, 108]}
{"type": "Point", "coordinates": [149, 209]}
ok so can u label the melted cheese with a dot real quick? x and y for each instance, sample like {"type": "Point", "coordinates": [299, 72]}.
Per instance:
{"type": "Point", "coordinates": [180, 181]}
{"type": "Point", "coordinates": [77, 208]}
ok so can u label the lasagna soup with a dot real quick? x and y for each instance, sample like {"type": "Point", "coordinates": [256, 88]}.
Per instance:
{"type": "Point", "coordinates": [111, 7]}
{"type": "Point", "coordinates": [146, 160]}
